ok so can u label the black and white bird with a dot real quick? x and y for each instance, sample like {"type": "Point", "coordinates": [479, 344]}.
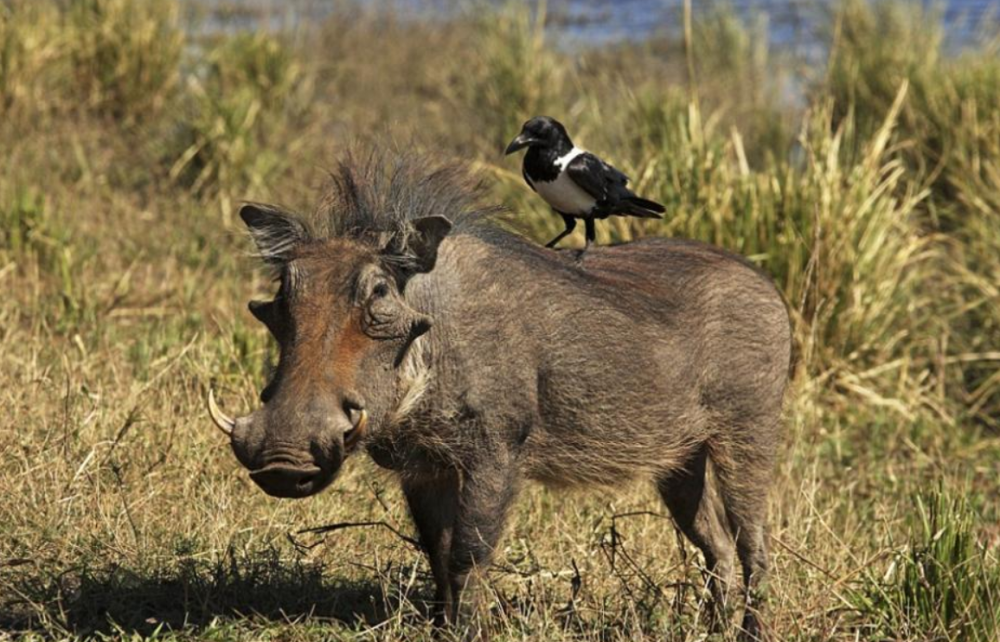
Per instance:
{"type": "Point", "coordinates": [573, 181]}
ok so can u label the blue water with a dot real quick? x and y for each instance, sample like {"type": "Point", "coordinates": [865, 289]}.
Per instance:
{"type": "Point", "coordinates": [791, 24]}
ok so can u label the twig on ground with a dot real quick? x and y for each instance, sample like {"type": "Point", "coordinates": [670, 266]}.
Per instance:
{"type": "Point", "coordinates": [330, 528]}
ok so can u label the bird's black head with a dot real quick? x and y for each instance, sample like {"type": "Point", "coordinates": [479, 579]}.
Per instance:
{"type": "Point", "coordinates": [544, 132]}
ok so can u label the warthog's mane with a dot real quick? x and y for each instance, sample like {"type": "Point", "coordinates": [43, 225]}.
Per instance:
{"type": "Point", "coordinates": [375, 197]}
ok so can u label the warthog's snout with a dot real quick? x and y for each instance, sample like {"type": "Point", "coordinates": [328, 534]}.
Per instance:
{"type": "Point", "coordinates": [281, 479]}
{"type": "Point", "coordinates": [291, 453]}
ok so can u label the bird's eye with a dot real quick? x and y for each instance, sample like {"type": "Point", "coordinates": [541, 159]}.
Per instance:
{"type": "Point", "coordinates": [380, 290]}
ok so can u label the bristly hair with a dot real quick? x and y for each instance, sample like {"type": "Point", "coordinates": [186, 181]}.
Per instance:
{"type": "Point", "coordinates": [375, 197]}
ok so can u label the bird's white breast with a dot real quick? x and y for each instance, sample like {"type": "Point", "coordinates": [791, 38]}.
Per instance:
{"type": "Point", "coordinates": [563, 194]}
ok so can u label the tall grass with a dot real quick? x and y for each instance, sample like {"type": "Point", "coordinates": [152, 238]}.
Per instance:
{"type": "Point", "coordinates": [125, 55]}
{"type": "Point", "coordinates": [29, 43]}
{"type": "Point", "coordinates": [128, 142]}
{"type": "Point", "coordinates": [949, 136]}
{"type": "Point", "coordinates": [250, 93]}
{"type": "Point", "coordinates": [518, 74]}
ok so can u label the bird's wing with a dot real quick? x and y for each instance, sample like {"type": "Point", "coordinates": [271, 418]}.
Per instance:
{"type": "Point", "coordinates": [595, 177]}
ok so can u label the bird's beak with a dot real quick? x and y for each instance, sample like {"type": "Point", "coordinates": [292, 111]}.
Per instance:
{"type": "Point", "coordinates": [522, 141]}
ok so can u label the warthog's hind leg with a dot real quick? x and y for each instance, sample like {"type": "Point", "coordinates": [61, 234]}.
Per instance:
{"type": "Point", "coordinates": [741, 463]}
{"type": "Point", "coordinates": [752, 550]}
{"type": "Point", "coordinates": [744, 493]}
{"type": "Point", "coordinates": [696, 506]}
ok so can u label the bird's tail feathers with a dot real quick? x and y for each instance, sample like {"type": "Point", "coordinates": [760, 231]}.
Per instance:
{"type": "Point", "coordinates": [641, 207]}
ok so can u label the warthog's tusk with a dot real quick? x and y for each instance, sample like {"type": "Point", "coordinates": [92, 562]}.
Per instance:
{"type": "Point", "coordinates": [219, 418]}
{"type": "Point", "coordinates": [354, 434]}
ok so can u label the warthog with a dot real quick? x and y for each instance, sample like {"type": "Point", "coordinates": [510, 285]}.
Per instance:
{"type": "Point", "coordinates": [467, 359]}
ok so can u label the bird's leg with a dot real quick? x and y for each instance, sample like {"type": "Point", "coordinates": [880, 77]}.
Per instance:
{"type": "Point", "coordinates": [591, 234]}
{"type": "Point", "coordinates": [570, 225]}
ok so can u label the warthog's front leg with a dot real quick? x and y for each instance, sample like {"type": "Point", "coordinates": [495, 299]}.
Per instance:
{"type": "Point", "coordinates": [434, 503]}
{"type": "Point", "coordinates": [486, 494]}
{"type": "Point", "coordinates": [460, 518]}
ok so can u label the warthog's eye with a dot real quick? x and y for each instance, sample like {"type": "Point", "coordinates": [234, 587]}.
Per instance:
{"type": "Point", "coordinates": [381, 316]}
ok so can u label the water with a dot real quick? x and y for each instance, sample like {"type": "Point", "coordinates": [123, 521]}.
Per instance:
{"type": "Point", "coordinates": [791, 24]}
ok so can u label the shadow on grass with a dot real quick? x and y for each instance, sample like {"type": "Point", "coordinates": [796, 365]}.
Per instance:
{"type": "Point", "coordinates": [190, 597]}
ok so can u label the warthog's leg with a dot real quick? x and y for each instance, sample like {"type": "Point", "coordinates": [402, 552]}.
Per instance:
{"type": "Point", "coordinates": [487, 490]}
{"type": "Point", "coordinates": [460, 521]}
{"type": "Point", "coordinates": [743, 482]}
{"type": "Point", "coordinates": [433, 505]}
{"type": "Point", "coordinates": [752, 550]}
{"type": "Point", "coordinates": [697, 508]}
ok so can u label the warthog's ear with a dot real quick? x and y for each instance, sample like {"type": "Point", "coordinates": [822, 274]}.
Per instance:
{"type": "Point", "coordinates": [417, 252]}
{"type": "Point", "coordinates": [265, 312]}
{"type": "Point", "coordinates": [276, 233]}
{"type": "Point", "coordinates": [429, 232]}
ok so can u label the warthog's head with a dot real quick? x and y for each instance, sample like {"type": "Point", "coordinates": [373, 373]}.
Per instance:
{"type": "Point", "coordinates": [343, 328]}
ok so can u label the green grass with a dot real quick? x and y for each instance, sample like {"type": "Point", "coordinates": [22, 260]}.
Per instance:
{"type": "Point", "coordinates": [943, 584]}
{"type": "Point", "coordinates": [128, 142]}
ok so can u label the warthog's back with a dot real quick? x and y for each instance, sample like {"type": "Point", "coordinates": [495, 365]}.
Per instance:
{"type": "Point", "coordinates": [626, 358]}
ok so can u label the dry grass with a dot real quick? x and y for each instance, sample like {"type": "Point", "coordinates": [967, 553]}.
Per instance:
{"type": "Point", "coordinates": [124, 515]}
